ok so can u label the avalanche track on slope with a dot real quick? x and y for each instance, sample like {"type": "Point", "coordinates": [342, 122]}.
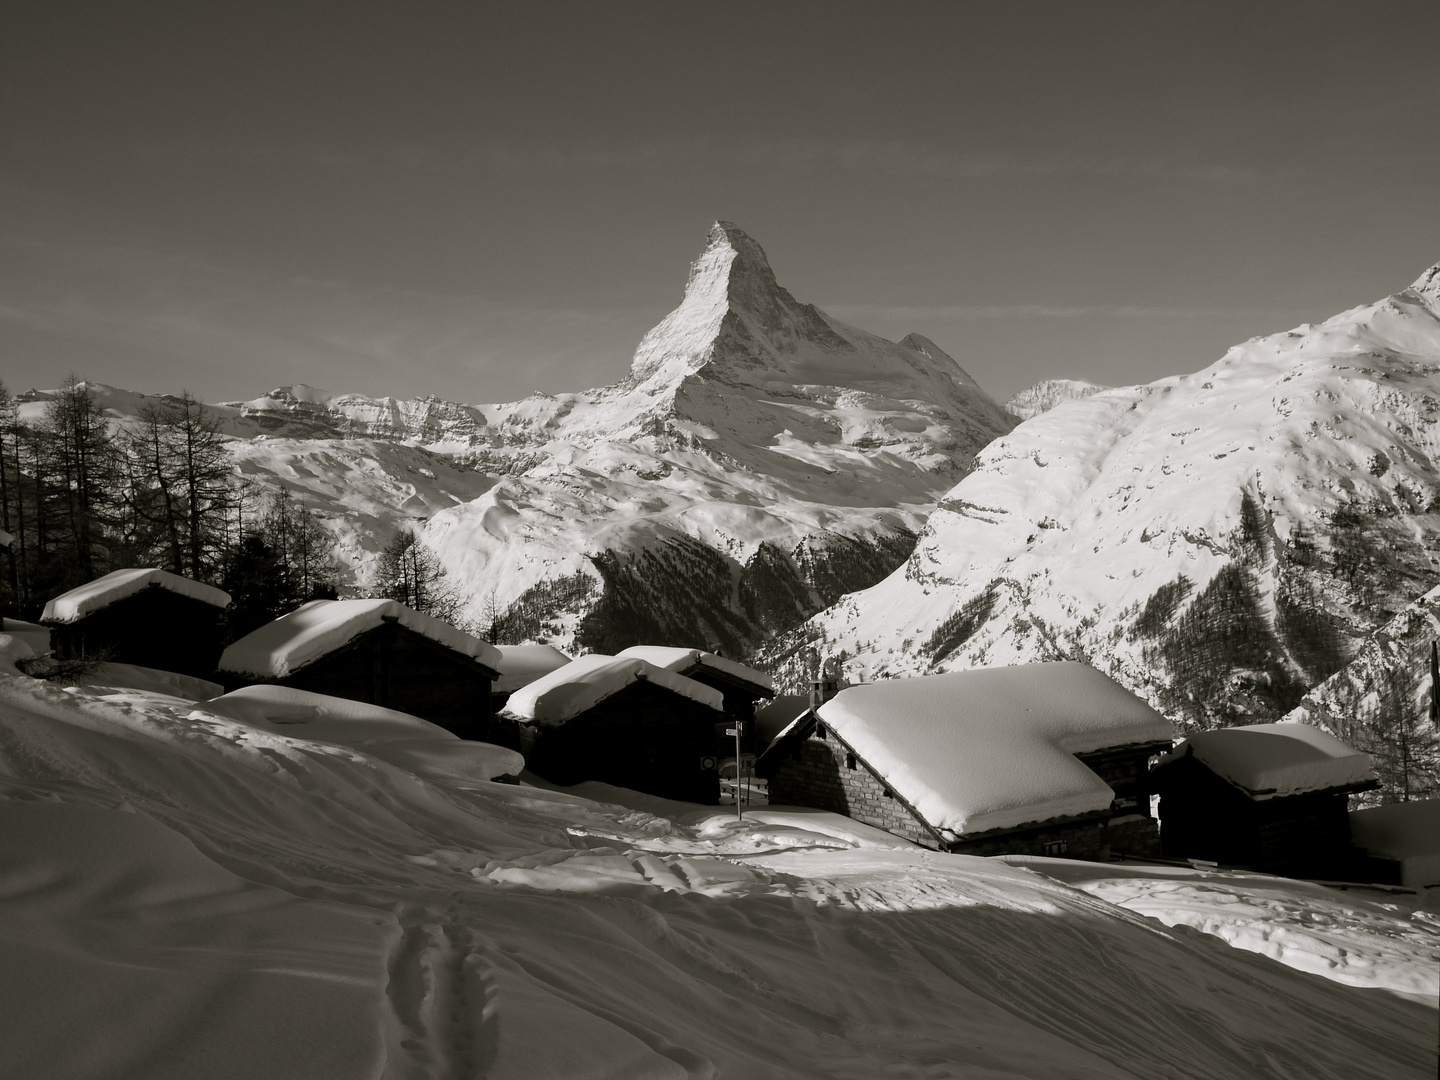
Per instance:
{"type": "Point", "coordinates": [218, 899]}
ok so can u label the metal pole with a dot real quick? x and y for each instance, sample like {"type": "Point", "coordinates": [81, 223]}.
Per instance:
{"type": "Point", "coordinates": [736, 731]}
{"type": "Point", "coordinates": [739, 811]}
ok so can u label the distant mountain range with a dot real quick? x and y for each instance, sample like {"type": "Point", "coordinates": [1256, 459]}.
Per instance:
{"type": "Point", "coordinates": [1220, 542]}
{"type": "Point", "coordinates": [760, 461]}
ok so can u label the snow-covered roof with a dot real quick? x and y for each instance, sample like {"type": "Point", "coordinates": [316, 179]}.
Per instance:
{"type": "Point", "coordinates": [688, 661]}
{"type": "Point", "coordinates": [12, 649]}
{"type": "Point", "coordinates": [1268, 760]}
{"type": "Point", "coordinates": [588, 680]}
{"type": "Point", "coordinates": [318, 628]}
{"type": "Point", "coordinates": [521, 665]}
{"type": "Point", "coordinates": [33, 634]}
{"type": "Point", "coordinates": [1408, 832]}
{"type": "Point", "coordinates": [85, 599]}
{"type": "Point", "coordinates": [993, 748]}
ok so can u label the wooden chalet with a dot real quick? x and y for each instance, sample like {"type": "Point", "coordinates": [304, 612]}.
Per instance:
{"type": "Point", "coordinates": [743, 688]}
{"type": "Point", "coordinates": [622, 721]}
{"type": "Point", "coordinates": [143, 616]}
{"type": "Point", "coordinates": [1041, 759]}
{"type": "Point", "coordinates": [741, 685]}
{"type": "Point", "coordinates": [1270, 797]}
{"type": "Point", "coordinates": [375, 651]}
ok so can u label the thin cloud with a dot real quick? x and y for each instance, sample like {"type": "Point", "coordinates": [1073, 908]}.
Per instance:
{"type": "Point", "coordinates": [896, 158]}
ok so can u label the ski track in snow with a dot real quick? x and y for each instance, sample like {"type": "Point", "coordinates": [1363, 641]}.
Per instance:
{"type": "Point", "coordinates": [355, 919]}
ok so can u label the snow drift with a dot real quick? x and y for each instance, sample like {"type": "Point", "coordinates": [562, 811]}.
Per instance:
{"type": "Point", "coordinates": [187, 892]}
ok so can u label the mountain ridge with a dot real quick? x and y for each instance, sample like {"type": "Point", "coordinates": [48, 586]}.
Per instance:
{"type": "Point", "coordinates": [1218, 542]}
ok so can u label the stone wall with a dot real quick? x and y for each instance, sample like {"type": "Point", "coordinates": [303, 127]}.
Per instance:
{"type": "Point", "coordinates": [823, 773]}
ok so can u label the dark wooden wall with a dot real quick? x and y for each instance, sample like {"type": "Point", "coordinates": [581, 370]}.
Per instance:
{"type": "Point", "coordinates": [1203, 816]}
{"type": "Point", "coordinates": [739, 700]}
{"type": "Point", "coordinates": [394, 667]}
{"type": "Point", "coordinates": [1127, 770]}
{"type": "Point", "coordinates": [644, 737]}
{"type": "Point", "coordinates": [153, 628]}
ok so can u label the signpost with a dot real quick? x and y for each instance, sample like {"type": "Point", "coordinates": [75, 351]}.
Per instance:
{"type": "Point", "coordinates": [737, 731]}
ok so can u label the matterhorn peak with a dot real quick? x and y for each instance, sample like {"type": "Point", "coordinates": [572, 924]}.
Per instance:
{"type": "Point", "coordinates": [730, 280]}
{"type": "Point", "coordinates": [738, 326]}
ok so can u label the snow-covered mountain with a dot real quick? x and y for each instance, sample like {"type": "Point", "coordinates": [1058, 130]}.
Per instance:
{"type": "Point", "coordinates": [760, 460]}
{"type": "Point", "coordinates": [1044, 396]}
{"type": "Point", "coordinates": [1219, 542]}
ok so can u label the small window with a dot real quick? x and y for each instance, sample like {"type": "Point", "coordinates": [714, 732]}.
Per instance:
{"type": "Point", "coordinates": [850, 762]}
{"type": "Point", "coordinates": [820, 731]}
{"type": "Point", "coordinates": [1056, 847]}
{"type": "Point", "coordinates": [889, 794]}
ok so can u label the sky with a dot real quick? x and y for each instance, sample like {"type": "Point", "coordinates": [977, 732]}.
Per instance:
{"type": "Point", "coordinates": [480, 201]}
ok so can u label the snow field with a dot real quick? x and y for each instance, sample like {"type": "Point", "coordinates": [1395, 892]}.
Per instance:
{"type": "Point", "coordinates": [1358, 936]}
{"type": "Point", "coordinates": [247, 902]}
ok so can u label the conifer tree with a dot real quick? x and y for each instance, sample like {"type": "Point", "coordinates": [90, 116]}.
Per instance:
{"type": "Point", "coordinates": [78, 497]}
{"type": "Point", "coordinates": [9, 495]}
{"type": "Point", "coordinates": [301, 546]}
{"type": "Point", "coordinates": [410, 573]}
{"type": "Point", "coordinates": [255, 580]}
{"type": "Point", "coordinates": [1402, 740]}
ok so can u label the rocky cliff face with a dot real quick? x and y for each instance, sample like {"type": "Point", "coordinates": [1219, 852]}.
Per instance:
{"type": "Point", "coordinates": [1219, 542]}
{"type": "Point", "coordinates": [1044, 396]}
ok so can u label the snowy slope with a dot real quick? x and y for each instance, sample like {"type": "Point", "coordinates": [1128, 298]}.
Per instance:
{"type": "Point", "coordinates": [227, 893]}
{"type": "Point", "coordinates": [1218, 542]}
